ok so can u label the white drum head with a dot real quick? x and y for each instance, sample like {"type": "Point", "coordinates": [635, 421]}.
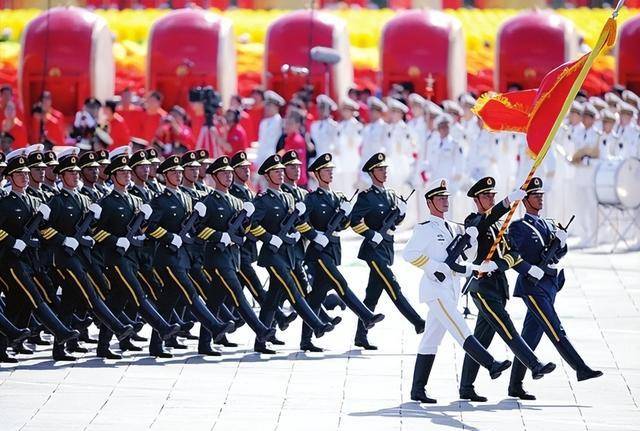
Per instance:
{"type": "Point", "coordinates": [628, 182]}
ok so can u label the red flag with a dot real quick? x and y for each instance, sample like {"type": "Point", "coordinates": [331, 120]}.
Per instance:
{"type": "Point", "coordinates": [538, 113]}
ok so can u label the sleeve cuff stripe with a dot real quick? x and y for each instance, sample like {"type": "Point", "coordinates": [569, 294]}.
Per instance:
{"type": "Point", "coordinates": [420, 261]}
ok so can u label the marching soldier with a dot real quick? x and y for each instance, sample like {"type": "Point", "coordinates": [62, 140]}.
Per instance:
{"type": "Point", "coordinates": [50, 177]}
{"type": "Point", "coordinates": [102, 157]}
{"type": "Point", "coordinates": [222, 252]}
{"type": "Point", "coordinates": [375, 215]}
{"type": "Point", "coordinates": [20, 218]}
{"type": "Point", "coordinates": [153, 183]}
{"type": "Point", "coordinates": [172, 260]}
{"type": "Point", "coordinates": [427, 250]}
{"type": "Point", "coordinates": [89, 171]}
{"type": "Point", "coordinates": [191, 175]}
{"type": "Point", "coordinates": [541, 243]}
{"type": "Point", "coordinates": [72, 255]}
{"type": "Point", "coordinates": [491, 291]}
{"type": "Point", "coordinates": [323, 255]}
{"type": "Point", "coordinates": [191, 162]}
{"type": "Point", "coordinates": [205, 161]}
{"type": "Point", "coordinates": [272, 209]}
{"type": "Point", "coordinates": [292, 171]}
{"type": "Point", "coordinates": [140, 167]}
{"type": "Point", "coordinates": [36, 165]}
{"type": "Point", "coordinates": [249, 249]}
{"type": "Point", "coordinates": [116, 235]}
{"type": "Point", "coordinates": [44, 277]}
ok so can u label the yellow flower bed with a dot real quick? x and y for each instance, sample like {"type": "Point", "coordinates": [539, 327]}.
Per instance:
{"type": "Point", "coordinates": [131, 28]}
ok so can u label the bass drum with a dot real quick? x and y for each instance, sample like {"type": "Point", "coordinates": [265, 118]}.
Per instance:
{"type": "Point", "coordinates": [617, 183]}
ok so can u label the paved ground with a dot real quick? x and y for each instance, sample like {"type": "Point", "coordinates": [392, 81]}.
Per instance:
{"type": "Point", "coordinates": [345, 388]}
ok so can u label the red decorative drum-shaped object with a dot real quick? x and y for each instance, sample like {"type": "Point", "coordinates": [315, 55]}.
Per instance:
{"type": "Point", "coordinates": [530, 45]}
{"type": "Point", "coordinates": [288, 64]}
{"type": "Point", "coordinates": [426, 49]}
{"type": "Point", "coordinates": [188, 48]}
{"type": "Point", "coordinates": [628, 55]}
{"type": "Point", "coordinates": [69, 52]}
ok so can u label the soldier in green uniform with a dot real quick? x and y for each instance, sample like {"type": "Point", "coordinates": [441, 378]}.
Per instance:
{"type": "Point", "coordinates": [50, 177]}
{"type": "Point", "coordinates": [20, 218]}
{"type": "Point", "coordinates": [119, 242]}
{"type": "Point", "coordinates": [375, 215]}
{"type": "Point", "coordinates": [152, 182]}
{"type": "Point", "coordinates": [275, 222]}
{"type": "Point", "coordinates": [328, 210]}
{"type": "Point", "coordinates": [72, 256]}
{"type": "Point", "coordinates": [222, 255]}
{"type": "Point", "coordinates": [172, 260]}
{"type": "Point", "coordinates": [249, 248]}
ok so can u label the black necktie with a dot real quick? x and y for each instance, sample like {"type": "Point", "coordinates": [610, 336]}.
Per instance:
{"type": "Point", "coordinates": [449, 228]}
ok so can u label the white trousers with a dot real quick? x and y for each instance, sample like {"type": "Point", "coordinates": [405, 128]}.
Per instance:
{"type": "Point", "coordinates": [443, 316]}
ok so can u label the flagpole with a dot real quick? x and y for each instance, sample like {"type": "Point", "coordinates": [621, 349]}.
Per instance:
{"type": "Point", "coordinates": [606, 38]}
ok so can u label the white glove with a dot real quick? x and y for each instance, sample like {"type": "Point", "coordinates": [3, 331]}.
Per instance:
{"type": "Point", "coordinates": [70, 242]}
{"type": "Point", "coordinates": [294, 236]}
{"type": "Point", "coordinates": [301, 207]}
{"type": "Point", "coordinates": [140, 237]}
{"type": "Point", "coordinates": [275, 241]}
{"type": "Point", "coordinates": [225, 239]}
{"type": "Point", "coordinates": [346, 207]}
{"type": "Point", "coordinates": [322, 240]}
{"type": "Point", "coordinates": [90, 240]}
{"type": "Point", "coordinates": [536, 272]}
{"type": "Point", "coordinates": [402, 206]}
{"type": "Point", "coordinates": [176, 241]}
{"type": "Point", "coordinates": [147, 210]}
{"type": "Point", "coordinates": [19, 245]}
{"type": "Point", "coordinates": [45, 211]}
{"type": "Point", "coordinates": [123, 243]}
{"type": "Point", "coordinates": [487, 267]}
{"type": "Point", "coordinates": [468, 270]}
{"type": "Point", "coordinates": [562, 236]}
{"type": "Point", "coordinates": [516, 195]}
{"type": "Point", "coordinates": [200, 208]}
{"type": "Point", "coordinates": [249, 208]}
{"type": "Point", "coordinates": [377, 238]}
{"type": "Point", "coordinates": [472, 231]}
{"type": "Point", "coordinates": [96, 210]}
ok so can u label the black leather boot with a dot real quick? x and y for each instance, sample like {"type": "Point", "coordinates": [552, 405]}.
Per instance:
{"type": "Point", "coordinates": [59, 353]}
{"type": "Point", "coordinates": [421, 372]}
{"type": "Point", "coordinates": [479, 354]}
{"type": "Point", "coordinates": [208, 320]}
{"type": "Point", "coordinates": [469, 393]}
{"type": "Point", "coordinates": [151, 315]}
{"type": "Point", "coordinates": [525, 355]}
{"type": "Point", "coordinates": [518, 391]}
{"type": "Point", "coordinates": [61, 333]}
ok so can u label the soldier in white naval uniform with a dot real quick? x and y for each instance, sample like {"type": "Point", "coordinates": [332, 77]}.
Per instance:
{"type": "Point", "coordinates": [324, 131]}
{"type": "Point", "coordinates": [347, 153]}
{"type": "Point", "coordinates": [270, 127]}
{"type": "Point", "coordinates": [587, 145]}
{"type": "Point", "coordinates": [629, 133]}
{"type": "Point", "coordinates": [427, 250]}
{"type": "Point", "coordinates": [400, 146]}
{"type": "Point", "coordinates": [374, 136]}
